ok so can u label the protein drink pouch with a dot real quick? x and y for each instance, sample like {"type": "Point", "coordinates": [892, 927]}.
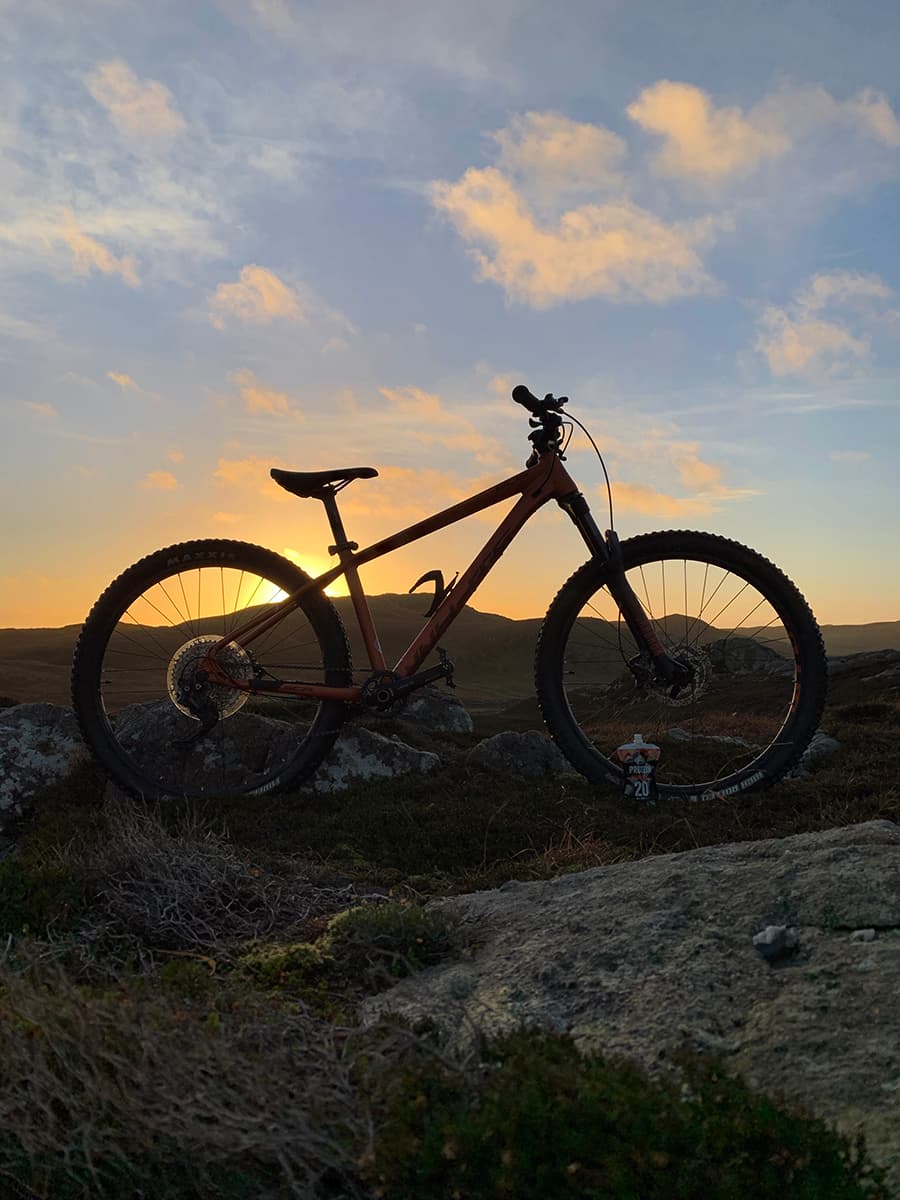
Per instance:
{"type": "Point", "coordinates": [639, 759]}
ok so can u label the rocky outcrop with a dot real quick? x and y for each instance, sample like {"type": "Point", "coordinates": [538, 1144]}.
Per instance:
{"type": "Point", "coordinates": [436, 710]}
{"type": "Point", "coordinates": [643, 957]}
{"type": "Point", "coordinates": [360, 755]}
{"type": "Point", "coordinates": [39, 743]}
{"type": "Point", "coordinates": [531, 755]}
{"type": "Point", "coordinates": [879, 662]}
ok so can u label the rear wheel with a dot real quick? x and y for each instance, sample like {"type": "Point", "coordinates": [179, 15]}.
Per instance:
{"type": "Point", "coordinates": [137, 674]}
{"type": "Point", "coordinates": [751, 645]}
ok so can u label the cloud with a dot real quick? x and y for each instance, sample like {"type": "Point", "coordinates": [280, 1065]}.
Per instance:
{"type": "Point", "coordinates": [807, 110]}
{"type": "Point", "coordinates": [174, 455]}
{"type": "Point", "coordinates": [701, 140]}
{"type": "Point", "coordinates": [555, 154]}
{"type": "Point", "coordinates": [799, 340]}
{"type": "Point", "coordinates": [251, 472]}
{"type": "Point", "coordinates": [141, 111]}
{"type": "Point", "coordinates": [807, 346]}
{"type": "Point", "coordinates": [260, 399]}
{"type": "Point", "coordinates": [124, 381]}
{"type": "Point", "coordinates": [849, 456]}
{"type": "Point", "coordinates": [616, 250]}
{"type": "Point", "coordinates": [874, 113]}
{"type": "Point", "coordinates": [693, 472]}
{"type": "Point", "coordinates": [43, 410]}
{"type": "Point", "coordinates": [163, 481]}
{"type": "Point", "coordinates": [428, 421]}
{"type": "Point", "coordinates": [639, 497]}
{"type": "Point", "coordinates": [89, 255]}
{"type": "Point", "coordinates": [259, 298]}
{"type": "Point", "coordinates": [840, 287]}
{"type": "Point", "coordinates": [274, 15]}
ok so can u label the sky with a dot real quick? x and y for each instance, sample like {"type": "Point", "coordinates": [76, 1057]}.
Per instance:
{"type": "Point", "coordinates": [237, 234]}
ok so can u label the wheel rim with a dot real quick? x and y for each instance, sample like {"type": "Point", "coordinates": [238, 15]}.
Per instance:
{"type": "Point", "coordinates": [741, 656]}
{"type": "Point", "coordinates": [149, 674]}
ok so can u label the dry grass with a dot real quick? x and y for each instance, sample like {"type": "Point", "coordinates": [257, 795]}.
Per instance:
{"type": "Point", "coordinates": [190, 889]}
{"type": "Point", "coordinates": [106, 1094]}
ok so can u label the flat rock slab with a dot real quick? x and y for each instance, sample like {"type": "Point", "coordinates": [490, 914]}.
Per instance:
{"type": "Point", "coordinates": [641, 958]}
{"type": "Point", "coordinates": [39, 744]}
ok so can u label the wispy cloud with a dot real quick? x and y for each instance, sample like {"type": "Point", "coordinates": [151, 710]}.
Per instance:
{"type": "Point", "coordinates": [702, 140]}
{"type": "Point", "coordinates": [124, 381]}
{"type": "Point", "coordinates": [89, 255]}
{"type": "Point", "coordinates": [257, 298]}
{"type": "Point", "coordinates": [163, 481]}
{"type": "Point", "coordinates": [258, 398]}
{"type": "Point", "coordinates": [616, 250]}
{"type": "Point", "coordinates": [142, 110]}
{"type": "Point", "coordinates": [42, 409]}
{"type": "Point", "coordinates": [799, 340]}
{"type": "Point", "coordinates": [554, 155]}
{"type": "Point", "coordinates": [640, 497]}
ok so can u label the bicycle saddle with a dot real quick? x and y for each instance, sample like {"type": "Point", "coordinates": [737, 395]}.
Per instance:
{"type": "Point", "coordinates": [316, 483]}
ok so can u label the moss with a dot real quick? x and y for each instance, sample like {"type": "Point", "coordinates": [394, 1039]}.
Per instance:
{"type": "Point", "coordinates": [36, 895]}
{"type": "Point", "coordinates": [361, 952]}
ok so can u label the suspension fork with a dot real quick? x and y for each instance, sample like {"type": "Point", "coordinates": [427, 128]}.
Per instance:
{"type": "Point", "coordinates": [608, 550]}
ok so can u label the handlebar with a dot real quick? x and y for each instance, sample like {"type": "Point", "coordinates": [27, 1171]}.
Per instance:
{"type": "Point", "coordinates": [545, 421]}
{"type": "Point", "coordinates": [538, 408]}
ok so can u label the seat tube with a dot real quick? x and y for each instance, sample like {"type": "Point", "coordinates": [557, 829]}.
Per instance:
{"type": "Point", "coordinates": [344, 551]}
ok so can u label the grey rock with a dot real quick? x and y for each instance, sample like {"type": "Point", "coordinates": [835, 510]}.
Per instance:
{"type": "Point", "coordinates": [678, 734]}
{"type": "Point", "coordinates": [862, 935]}
{"type": "Point", "coordinates": [876, 660]}
{"type": "Point", "coordinates": [528, 754]}
{"type": "Point", "coordinates": [438, 710]}
{"type": "Point", "coordinates": [739, 655]}
{"type": "Point", "coordinates": [39, 743]}
{"type": "Point", "coordinates": [822, 746]}
{"type": "Point", "coordinates": [254, 747]}
{"type": "Point", "coordinates": [663, 955]}
{"type": "Point", "coordinates": [776, 942]}
{"type": "Point", "coordinates": [360, 755]}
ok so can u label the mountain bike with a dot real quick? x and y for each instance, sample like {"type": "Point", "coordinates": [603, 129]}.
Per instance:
{"type": "Point", "coordinates": [219, 668]}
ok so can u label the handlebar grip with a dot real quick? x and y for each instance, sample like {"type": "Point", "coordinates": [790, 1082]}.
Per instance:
{"type": "Point", "coordinates": [522, 396]}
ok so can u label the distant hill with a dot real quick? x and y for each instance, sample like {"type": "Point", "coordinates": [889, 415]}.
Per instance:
{"type": "Point", "coordinates": [492, 654]}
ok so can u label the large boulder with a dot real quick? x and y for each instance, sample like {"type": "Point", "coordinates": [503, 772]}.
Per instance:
{"type": "Point", "coordinates": [530, 754]}
{"type": "Point", "coordinates": [360, 755]}
{"type": "Point", "coordinates": [436, 710]}
{"type": "Point", "coordinates": [641, 958]}
{"type": "Point", "coordinates": [39, 744]}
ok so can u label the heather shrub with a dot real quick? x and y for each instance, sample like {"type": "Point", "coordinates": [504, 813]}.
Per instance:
{"type": "Point", "coordinates": [535, 1119]}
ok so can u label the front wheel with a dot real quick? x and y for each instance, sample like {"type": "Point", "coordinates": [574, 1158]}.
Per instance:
{"type": "Point", "coordinates": [139, 689]}
{"type": "Point", "coordinates": [750, 646]}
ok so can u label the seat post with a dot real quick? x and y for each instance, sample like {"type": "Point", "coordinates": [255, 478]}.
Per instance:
{"type": "Point", "coordinates": [328, 497]}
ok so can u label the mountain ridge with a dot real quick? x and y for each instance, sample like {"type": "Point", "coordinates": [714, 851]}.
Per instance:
{"type": "Point", "coordinates": [492, 653]}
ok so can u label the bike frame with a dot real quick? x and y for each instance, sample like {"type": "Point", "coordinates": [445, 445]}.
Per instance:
{"type": "Point", "coordinates": [536, 486]}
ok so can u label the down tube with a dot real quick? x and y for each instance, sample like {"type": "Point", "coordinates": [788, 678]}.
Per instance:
{"type": "Point", "coordinates": [497, 543]}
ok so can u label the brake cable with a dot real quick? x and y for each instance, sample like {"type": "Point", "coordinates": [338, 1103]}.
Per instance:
{"type": "Point", "coordinates": [585, 430]}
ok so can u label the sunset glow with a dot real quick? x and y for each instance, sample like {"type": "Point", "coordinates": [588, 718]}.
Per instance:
{"type": "Point", "coordinates": [308, 235]}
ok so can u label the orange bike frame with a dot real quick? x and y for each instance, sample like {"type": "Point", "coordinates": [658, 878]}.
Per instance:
{"type": "Point", "coordinates": [546, 480]}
